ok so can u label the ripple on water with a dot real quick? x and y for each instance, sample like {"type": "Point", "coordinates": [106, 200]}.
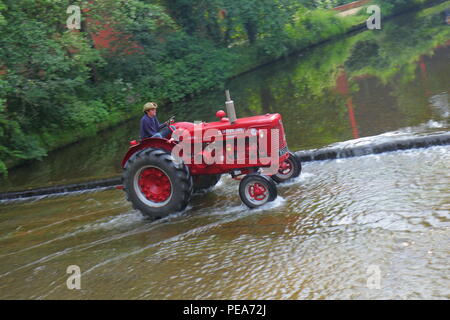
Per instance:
{"type": "Point", "coordinates": [316, 240]}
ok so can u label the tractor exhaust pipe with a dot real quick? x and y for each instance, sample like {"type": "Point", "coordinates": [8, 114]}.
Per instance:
{"type": "Point", "coordinates": [231, 112]}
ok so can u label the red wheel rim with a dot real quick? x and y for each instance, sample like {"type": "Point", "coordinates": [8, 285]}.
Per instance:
{"type": "Point", "coordinates": [155, 185]}
{"type": "Point", "coordinates": [257, 191]}
{"type": "Point", "coordinates": [285, 168]}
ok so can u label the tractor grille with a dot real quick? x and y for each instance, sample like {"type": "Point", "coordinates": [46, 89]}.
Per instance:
{"type": "Point", "coordinates": [282, 137]}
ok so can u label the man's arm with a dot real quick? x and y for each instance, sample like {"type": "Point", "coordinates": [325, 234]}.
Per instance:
{"type": "Point", "coordinates": [158, 125]}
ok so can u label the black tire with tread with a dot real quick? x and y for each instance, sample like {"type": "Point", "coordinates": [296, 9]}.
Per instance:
{"type": "Point", "coordinates": [177, 172]}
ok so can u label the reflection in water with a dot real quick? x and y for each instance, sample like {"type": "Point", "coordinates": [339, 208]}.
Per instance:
{"type": "Point", "coordinates": [361, 85]}
{"type": "Point", "coordinates": [440, 102]}
{"type": "Point", "coordinates": [342, 88]}
{"type": "Point", "coordinates": [320, 236]}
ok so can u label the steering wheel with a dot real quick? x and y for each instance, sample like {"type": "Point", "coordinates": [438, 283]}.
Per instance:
{"type": "Point", "coordinates": [168, 122]}
{"type": "Point", "coordinates": [171, 120]}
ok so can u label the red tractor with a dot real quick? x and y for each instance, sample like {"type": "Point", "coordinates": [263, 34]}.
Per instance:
{"type": "Point", "coordinates": [161, 174]}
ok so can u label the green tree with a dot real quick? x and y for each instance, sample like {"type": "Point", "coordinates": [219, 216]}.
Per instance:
{"type": "Point", "coordinates": [44, 71]}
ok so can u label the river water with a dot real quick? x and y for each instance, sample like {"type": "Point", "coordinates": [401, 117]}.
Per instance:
{"type": "Point", "coordinates": [375, 227]}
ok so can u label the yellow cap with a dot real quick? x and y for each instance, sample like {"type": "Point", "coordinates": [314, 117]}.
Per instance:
{"type": "Point", "coordinates": [149, 106]}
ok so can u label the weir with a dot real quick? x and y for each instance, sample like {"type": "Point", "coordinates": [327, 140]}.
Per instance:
{"type": "Point", "coordinates": [367, 147]}
{"type": "Point", "coordinates": [352, 148]}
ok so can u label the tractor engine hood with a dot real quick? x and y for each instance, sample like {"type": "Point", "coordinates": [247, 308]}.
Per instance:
{"type": "Point", "coordinates": [266, 121]}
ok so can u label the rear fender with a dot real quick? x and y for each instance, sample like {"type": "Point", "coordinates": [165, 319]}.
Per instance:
{"type": "Point", "coordinates": [155, 143]}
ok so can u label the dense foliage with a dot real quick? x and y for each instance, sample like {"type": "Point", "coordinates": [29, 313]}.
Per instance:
{"type": "Point", "coordinates": [58, 85]}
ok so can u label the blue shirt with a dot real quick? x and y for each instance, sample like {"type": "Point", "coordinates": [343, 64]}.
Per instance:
{"type": "Point", "coordinates": [149, 126]}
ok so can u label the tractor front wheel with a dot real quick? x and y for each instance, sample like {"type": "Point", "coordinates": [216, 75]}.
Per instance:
{"type": "Point", "coordinates": [157, 184]}
{"type": "Point", "coordinates": [256, 190]}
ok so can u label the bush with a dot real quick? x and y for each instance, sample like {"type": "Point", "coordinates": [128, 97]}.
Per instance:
{"type": "Point", "coordinates": [87, 113]}
{"type": "Point", "coordinates": [313, 26]}
{"type": "Point", "coordinates": [190, 66]}
{"type": "Point", "coordinates": [389, 7]}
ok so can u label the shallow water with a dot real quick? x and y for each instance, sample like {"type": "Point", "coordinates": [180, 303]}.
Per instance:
{"type": "Point", "coordinates": [324, 235]}
{"type": "Point", "coordinates": [317, 240]}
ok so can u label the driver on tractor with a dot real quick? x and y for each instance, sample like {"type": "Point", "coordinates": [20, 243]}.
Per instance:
{"type": "Point", "coordinates": [157, 183]}
{"type": "Point", "coordinates": [150, 126]}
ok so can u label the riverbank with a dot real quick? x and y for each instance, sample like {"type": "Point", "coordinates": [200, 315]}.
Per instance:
{"type": "Point", "coordinates": [245, 59]}
{"type": "Point", "coordinates": [354, 22]}
{"type": "Point", "coordinates": [390, 89]}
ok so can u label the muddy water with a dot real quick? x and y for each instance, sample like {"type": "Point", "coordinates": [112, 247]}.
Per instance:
{"type": "Point", "coordinates": [319, 239]}
{"type": "Point", "coordinates": [327, 235]}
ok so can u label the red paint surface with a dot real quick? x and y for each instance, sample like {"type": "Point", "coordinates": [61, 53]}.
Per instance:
{"type": "Point", "coordinates": [351, 5]}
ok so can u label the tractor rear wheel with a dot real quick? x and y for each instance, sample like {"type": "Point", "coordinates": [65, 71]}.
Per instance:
{"type": "Point", "coordinates": [157, 184]}
{"type": "Point", "coordinates": [289, 169]}
{"type": "Point", "coordinates": [256, 190]}
{"type": "Point", "coordinates": [205, 182]}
